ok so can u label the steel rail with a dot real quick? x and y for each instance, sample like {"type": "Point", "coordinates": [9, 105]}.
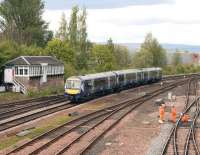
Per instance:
{"type": "Point", "coordinates": [21, 102]}
{"type": "Point", "coordinates": [191, 133]}
{"type": "Point", "coordinates": [33, 116]}
{"type": "Point", "coordinates": [191, 130]}
{"type": "Point", "coordinates": [175, 146]}
{"type": "Point", "coordinates": [28, 107]}
{"type": "Point", "coordinates": [175, 128]}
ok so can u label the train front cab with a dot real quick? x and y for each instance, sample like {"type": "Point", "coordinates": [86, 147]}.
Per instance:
{"type": "Point", "coordinates": [73, 89]}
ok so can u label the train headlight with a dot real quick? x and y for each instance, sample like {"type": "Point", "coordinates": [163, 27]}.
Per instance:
{"type": "Point", "coordinates": [72, 91]}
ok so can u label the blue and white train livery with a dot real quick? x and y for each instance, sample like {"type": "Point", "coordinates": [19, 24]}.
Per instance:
{"type": "Point", "coordinates": [78, 88]}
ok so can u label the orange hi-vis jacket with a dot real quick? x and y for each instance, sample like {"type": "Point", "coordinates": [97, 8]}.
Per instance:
{"type": "Point", "coordinates": [161, 112]}
{"type": "Point", "coordinates": [173, 114]}
{"type": "Point", "coordinates": [185, 118]}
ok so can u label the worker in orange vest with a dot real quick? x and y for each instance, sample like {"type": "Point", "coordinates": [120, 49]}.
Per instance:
{"type": "Point", "coordinates": [173, 114]}
{"type": "Point", "coordinates": [185, 118]}
{"type": "Point", "coordinates": [161, 113]}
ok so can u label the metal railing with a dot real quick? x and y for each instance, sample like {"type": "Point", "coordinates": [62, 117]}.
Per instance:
{"type": "Point", "coordinates": [21, 86]}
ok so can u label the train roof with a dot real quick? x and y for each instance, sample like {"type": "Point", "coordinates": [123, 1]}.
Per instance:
{"type": "Point", "coordinates": [127, 71]}
{"type": "Point", "coordinates": [94, 76]}
{"type": "Point", "coordinates": [111, 73]}
{"type": "Point", "coordinates": [151, 69]}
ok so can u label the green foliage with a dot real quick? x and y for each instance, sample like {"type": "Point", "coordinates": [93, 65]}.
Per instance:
{"type": "Point", "coordinates": [22, 21]}
{"type": "Point", "coordinates": [180, 69]}
{"type": "Point", "coordinates": [111, 45]}
{"type": "Point", "coordinates": [61, 50]}
{"type": "Point", "coordinates": [151, 53]}
{"type": "Point", "coordinates": [143, 59]}
{"type": "Point", "coordinates": [46, 91]}
{"type": "Point", "coordinates": [102, 58]}
{"type": "Point", "coordinates": [31, 50]}
{"type": "Point", "coordinates": [70, 70]}
{"type": "Point", "coordinates": [64, 52]}
{"type": "Point", "coordinates": [8, 50]}
{"type": "Point", "coordinates": [82, 53]}
{"type": "Point", "coordinates": [122, 57]}
{"type": "Point", "coordinates": [73, 27]}
{"type": "Point", "coordinates": [10, 97]}
{"type": "Point", "coordinates": [62, 32]}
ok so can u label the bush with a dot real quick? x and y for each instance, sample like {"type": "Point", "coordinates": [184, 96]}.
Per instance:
{"type": "Point", "coordinates": [46, 91]}
{"type": "Point", "coordinates": [180, 69]}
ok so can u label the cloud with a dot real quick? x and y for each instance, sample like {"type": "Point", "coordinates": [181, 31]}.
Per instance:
{"type": "Point", "coordinates": [101, 4]}
{"type": "Point", "coordinates": [170, 23]}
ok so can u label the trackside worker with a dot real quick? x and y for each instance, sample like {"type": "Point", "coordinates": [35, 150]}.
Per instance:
{"type": "Point", "coordinates": [161, 113]}
{"type": "Point", "coordinates": [173, 114]}
{"type": "Point", "coordinates": [185, 118]}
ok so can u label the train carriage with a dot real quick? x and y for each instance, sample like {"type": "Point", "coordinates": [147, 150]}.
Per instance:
{"type": "Point", "coordinates": [79, 88]}
{"type": "Point", "coordinates": [127, 78]}
{"type": "Point", "coordinates": [84, 87]}
{"type": "Point", "coordinates": [151, 74]}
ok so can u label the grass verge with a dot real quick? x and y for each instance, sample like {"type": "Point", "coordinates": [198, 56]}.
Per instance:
{"type": "Point", "coordinates": [10, 96]}
{"type": "Point", "coordinates": [13, 140]}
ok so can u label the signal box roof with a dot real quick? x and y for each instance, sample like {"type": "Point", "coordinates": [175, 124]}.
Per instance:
{"type": "Point", "coordinates": [34, 60]}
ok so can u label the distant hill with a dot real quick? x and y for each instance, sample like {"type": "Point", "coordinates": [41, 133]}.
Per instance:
{"type": "Point", "coordinates": [169, 47]}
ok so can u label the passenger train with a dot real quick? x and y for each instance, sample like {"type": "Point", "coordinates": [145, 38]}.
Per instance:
{"type": "Point", "coordinates": [81, 88]}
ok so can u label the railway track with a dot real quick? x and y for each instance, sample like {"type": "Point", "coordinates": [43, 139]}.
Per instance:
{"type": "Point", "coordinates": [179, 140]}
{"type": "Point", "coordinates": [191, 136]}
{"type": "Point", "coordinates": [180, 76]}
{"type": "Point", "coordinates": [22, 102]}
{"type": "Point", "coordinates": [16, 110]}
{"type": "Point", "coordinates": [100, 121]}
{"type": "Point", "coordinates": [24, 118]}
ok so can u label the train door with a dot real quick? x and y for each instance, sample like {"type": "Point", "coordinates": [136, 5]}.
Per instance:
{"type": "Point", "coordinates": [142, 77]}
{"type": "Point", "coordinates": [109, 83]}
{"type": "Point", "coordinates": [125, 79]}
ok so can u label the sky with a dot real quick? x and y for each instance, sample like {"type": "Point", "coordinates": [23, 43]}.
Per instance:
{"type": "Point", "coordinates": [128, 21]}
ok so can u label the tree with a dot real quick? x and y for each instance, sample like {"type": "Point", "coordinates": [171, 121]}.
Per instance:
{"type": "Point", "coordinates": [111, 45]}
{"type": "Point", "coordinates": [143, 59]}
{"type": "Point", "coordinates": [8, 50]}
{"type": "Point", "coordinates": [64, 52]}
{"type": "Point", "coordinates": [122, 56]}
{"type": "Point", "coordinates": [62, 32]}
{"type": "Point", "coordinates": [61, 50]}
{"type": "Point", "coordinates": [82, 55]}
{"type": "Point", "coordinates": [22, 21]}
{"type": "Point", "coordinates": [176, 59]}
{"type": "Point", "coordinates": [73, 27]}
{"type": "Point", "coordinates": [101, 58]}
{"type": "Point", "coordinates": [152, 46]}
{"type": "Point", "coordinates": [31, 50]}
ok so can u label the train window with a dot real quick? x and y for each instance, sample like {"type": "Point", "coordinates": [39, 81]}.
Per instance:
{"type": "Point", "coordinates": [89, 83]}
{"type": "Point", "coordinates": [76, 84]}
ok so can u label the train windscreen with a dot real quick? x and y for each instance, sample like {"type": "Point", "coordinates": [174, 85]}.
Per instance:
{"type": "Point", "coordinates": [73, 84]}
